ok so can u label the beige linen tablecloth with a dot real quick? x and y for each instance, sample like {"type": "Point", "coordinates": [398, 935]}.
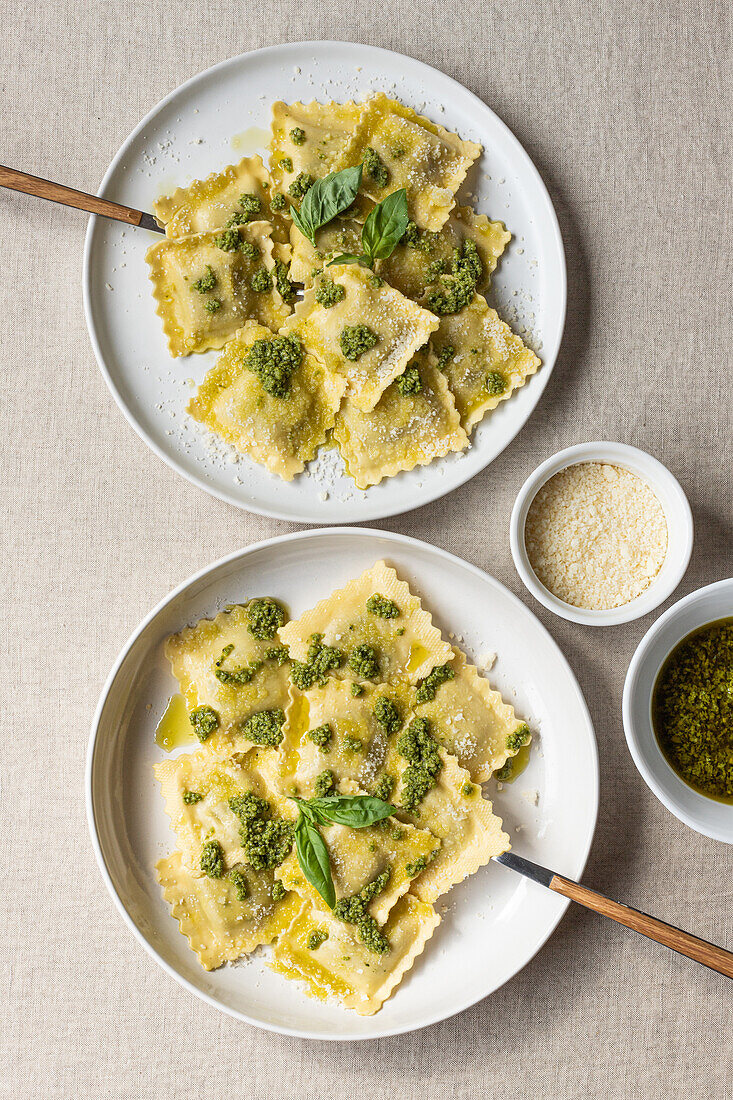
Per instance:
{"type": "Point", "coordinates": [625, 109]}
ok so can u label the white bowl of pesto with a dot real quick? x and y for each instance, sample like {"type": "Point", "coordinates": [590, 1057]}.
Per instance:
{"type": "Point", "coordinates": [494, 922]}
{"type": "Point", "coordinates": [706, 606]}
{"type": "Point", "coordinates": [222, 115]}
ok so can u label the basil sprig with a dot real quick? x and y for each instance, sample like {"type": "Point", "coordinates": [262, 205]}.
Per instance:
{"type": "Point", "coordinates": [325, 199]}
{"type": "Point", "coordinates": [381, 233]}
{"type": "Point", "coordinates": [357, 811]}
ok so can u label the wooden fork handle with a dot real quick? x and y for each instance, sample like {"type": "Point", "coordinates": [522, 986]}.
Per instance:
{"type": "Point", "coordinates": [709, 954]}
{"type": "Point", "coordinates": [56, 192]}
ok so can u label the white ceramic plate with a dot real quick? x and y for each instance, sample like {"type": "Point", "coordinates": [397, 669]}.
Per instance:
{"type": "Point", "coordinates": [222, 115]}
{"type": "Point", "coordinates": [494, 922]}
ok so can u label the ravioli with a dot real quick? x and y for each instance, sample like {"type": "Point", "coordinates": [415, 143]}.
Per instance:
{"type": "Point", "coordinates": [398, 328]}
{"type": "Point", "coordinates": [407, 646]}
{"type": "Point", "coordinates": [207, 204]}
{"type": "Point", "coordinates": [486, 355]}
{"type": "Point", "coordinates": [282, 434]}
{"type": "Point", "coordinates": [192, 274]}
{"type": "Point", "coordinates": [326, 130]}
{"type": "Point", "coordinates": [403, 430]}
{"type": "Point", "coordinates": [427, 160]}
{"type": "Point", "coordinates": [193, 654]}
{"type": "Point", "coordinates": [219, 926]}
{"type": "Point", "coordinates": [342, 966]}
{"type": "Point", "coordinates": [471, 720]}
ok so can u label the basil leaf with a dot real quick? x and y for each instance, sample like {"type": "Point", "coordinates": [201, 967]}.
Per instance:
{"type": "Point", "coordinates": [348, 258]}
{"type": "Point", "coordinates": [357, 811]}
{"type": "Point", "coordinates": [313, 859]}
{"type": "Point", "coordinates": [325, 199]}
{"type": "Point", "coordinates": [385, 226]}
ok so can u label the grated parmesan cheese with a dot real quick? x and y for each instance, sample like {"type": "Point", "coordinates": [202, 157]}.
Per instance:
{"type": "Point", "coordinates": [596, 535]}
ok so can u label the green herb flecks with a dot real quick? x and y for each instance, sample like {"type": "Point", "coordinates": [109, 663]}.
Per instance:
{"type": "Point", "coordinates": [190, 798]}
{"type": "Point", "coordinates": [375, 167]}
{"type": "Point", "coordinates": [518, 739]}
{"type": "Point", "coordinates": [266, 840]}
{"type": "Point", "coordinates": [420, 749]}
{"type": "Point", "coordinates": [321, 736]}
{"type": "Point", "coordinates": [265, 616]}
{"type": "Point", "coordinates": [321, 659]}
{"type": "Point", "coordinates": [387, 715]}
{"type": "Point", "coordinates": [355, 340]}
{"type": "Point", "coordinates": [496, 383]}
{"type": "Point", "coordinates": [427, 688]}
{"type": "Point", "coordinates": [382, 607]}
{"type": "Point", "coordinates": [297, 135]}
{"type": "Point", "coordinates": [453, 292]}
{"type": "Point", "coordinates": [260, 280]}
{"type": "Point", "coordinates": [264, 727]}
{"type": "Point", "coordinates": [238, 879]}
{"type": "Point", "coordinates": [364, 661]}
{"type": "Point", "coordinates": [212, 859]}
{"type": "Point", "coordinates": [316, 938]}
{"type": "Point", "coordinates": [204, 721]}
{"type": "Point", "coordinates": [409, 382]}
{"type": "Point", "coordinates": [353, 910]}
{"type": "Point", "coordinates": [329, 294]}
{"type": "Point", "coordinates": [274, 361]}
{"type": "Point", "coordinates": [207, 281]}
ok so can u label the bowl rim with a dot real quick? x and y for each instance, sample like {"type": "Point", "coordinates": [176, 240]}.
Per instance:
{"type": "Point", "coordinates": [628, 707]}
{"type": "Point", "coordinates": [677, 509]}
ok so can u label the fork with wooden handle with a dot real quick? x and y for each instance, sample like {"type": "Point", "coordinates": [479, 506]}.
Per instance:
{"type": "Point", "coordinates": [56, 192]}
{"type": "Point", "coordinates": [709, 954]}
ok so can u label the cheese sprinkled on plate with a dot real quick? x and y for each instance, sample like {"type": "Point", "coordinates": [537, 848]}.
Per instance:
{"type": "Point", "coordinates": [596, 535]}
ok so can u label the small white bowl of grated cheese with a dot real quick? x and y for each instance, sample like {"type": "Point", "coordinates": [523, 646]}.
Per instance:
{"type": "Point", "coordinates": [601, 533]}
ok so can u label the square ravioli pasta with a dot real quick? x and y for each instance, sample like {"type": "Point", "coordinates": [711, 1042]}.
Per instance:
{"type": "Point", "coordinates": [414, 422]}
{"type": "Point", "coordinates": [308, 140]}
{"type": "Point", "coordinates": [400, 148]}
{"type": "Point", "coordinates": [377, 628]}
{"type": "Point", "coordinates": [199, 791]}
{"type": "Point", "coordinates": [342, 966]}
{"type": "Point", "coordinates": [223, 920]}
{"type": "Point", "coordinates": [472, 721]}
{"type": "Point", "coordinates": [208, 285]}
{"type": "Point", "coordinates": [331, 735]}
{"type": "Point", "coordinates": [279, 416]}
{"type": "Point", "coordinates": [228, 675]}
{"type": "Point", "coordinates": [233, 196]}
{"type": "Point", "coordinates": [368, 336]}
{"type": "Point", "coordinates": [484, 362]}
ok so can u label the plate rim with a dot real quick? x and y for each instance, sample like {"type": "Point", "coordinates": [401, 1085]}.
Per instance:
{"type": "Point", "coordinates": [407, 541]}
{"type": "Point", "coordinates": [539, 380]}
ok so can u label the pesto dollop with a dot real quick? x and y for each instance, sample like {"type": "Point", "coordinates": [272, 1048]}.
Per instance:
{"type": "Point", "coordinates": [213, 305]}
{"type": "Point", "coordinates": [409, 382]}
{"type": "Point", "coordinates": [384, 787]}
{"type": "Point", "coordinates": [329, 293]}
{"type": "Point", "coordinates": [265, 616]}
{"type": "Point", "coordinates": [266, 840]}
{"type": "Point", "coordinates": [356, 689]}
{"type": "Point", "coordinates": [321, 659]}
{"type": "Point", "coordinates": [301, 185]}
{"type": "Point", "coordinates": [279, 654]}
{"type": "Point", "coordinates": [282, 282]}
{"type": "Point", "coordinates": [353, 744]}
{"type": "Point", "coordinates": [286, 164]}
{"type": "Point", "coordinates": [445, 355]}
{"type": "Point", "coordinates": [265, 727]}
{"type": "Point", "coordinates": [321, 736]}
{"type": "Point", "coordinates": [420, 749]}
{"type": "Point", "coordinates": [496, 383]}
{"type": "Point", "coordinates": [692, 710]}
{"type": "Point", "coordinates": [228, 241]}
{"type": "Point", "coordinates": [204, 721]}
{"type": "Point", "coordinates": [324, 784]}
{"type": "Point", "coordinates": [297, 135]}
{"type": "Point", "coordinates": [375, 167]}
{"type": "Point", "coordinates": [260, 280]}
{"type": "Point", "coordinates": [387, 715]}
{"type": "Point", "coordinates": [516, 740]}
{"type": "Point", "coordinates": [422, 240]}
{"type": "Point", "coordinates": [316, 938]}
{"type": "Point", "coordinates": [355, 340]}
{"type": "Point", "coordinates": [190, 798]}
{"type": "Point", "coordinates": [278, 890]}
{"type": "Point", "coordinates": [364, 661]}
{"type": "Point", "coordinates": [238, 879]}
{"type": "Point", "coordinates": [234, 677]}
{"type": "Point", "coordinates": [427, 688]}
{"type": "Point", "coordinates": [353, 910]}
{"type": "Point", "coordinates": [455, 290]}
{"type": "Point", "coordinates": [212, 859]}
{"type": "Point", "coordinates": [207, 281]}
{"type": "Point", "coordinates": [251, 205]}
{"type": "Point", "coordinates": [274, 361]}
{"type": "Point", "coordinates": [278, 201]}
{"type": "Point", "coordinates": [382, 607]}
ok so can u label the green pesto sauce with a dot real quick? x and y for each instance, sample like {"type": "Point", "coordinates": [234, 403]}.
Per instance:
{"type": "Point", "coordinates": [278, 201]}
{"type": "Point", "coordinates": [357, 689]}
{"type": "Point", "coordinates": [364, 662]}
{"type": "Point", "coordinates": [376, 281]}
{"type": "Point", "coordinates": [445, 355]}
{"type": "Point", "coordinates": [207, 282]}
{"type": "Point", "coordinates": [213, 305]}
{"type": "Point", "coordinates": [278, 890]}
{"type": "Point", "coordinates": [468, 790]}
{"type": "Point", "coordinates": [251, 205]}
{"type": "Point", "coordinates": [409, 382]}
{"type": "Point", "coordinates": [212, 859]}
{"type": "Point", "coordinates": [454, 291]}
{"type": "Point", "coordinates": [329, 293]}
{"type": "Point", "coordinates": [353, 910]}
{"type": "Point", "coordinates": [237, 218]}
{"type": "Point", "coordinates": [279, 654]}
{"type": "Point", "coordinates": [234, 677]}
{"type": "Point", "coordinates": [297, 135]}
{"type": "Point", "coordinates": [355, 340]}
{"type": "Point", "coordinates": [204, 721]}
{"type": "Point", "coordinates": [266, 840]}
{"type": "Point", "coordinates": [420, 749]}
{"type": "Point", "coordinates": [274, 361]}
{"type": "Point", "coordinates": [229, 240]}
{"type": "Point", "coordinates": [282, 282]}
{"type": "Point", "coordinates": [692, 710]}
{"type": "Point", "coordinates": [265, 727]}
{"type": "Point", "coordinates": [496, 383]}
{"type": "Point", "coordinates": [316, 938]}
{"type": "Point", "coordinates": [190, 798]}
{"type": "Point", "coordinates": [238, 879]}
{"type": "Point", "coordinates": [260, 280]}
{"type": "Point", "coordinates": [353, 744]}
{"type": "Point", "coordinates": [286, 164]}
{"type": "Point", "coordinates": [520, 737]}
{"type": "Point", "coordinates": [382, 607]}
{"type": "Point", "coordinates": [321, 736]}
{"type": "Point", "coordinates": [375, 167]}
{"type": "Point", "coordinates": [384, 788]}
{"type": "Point", "coordinates": [324, 784]}
{"type": "Point", "coordinates": [321, 659]}
{"type": "Point", "coordinates": [422, 240]}
{"type": "Point", "coordinates": [301, 185]}
{"type": "Point", "coordinates": [387, 715]}
{"type": "Point", "coordinates": [251, 251]}
{"type": "Point", "coordinates": [428, 687]}
{"type": "Point", "coordinates": [418, 866]}
{"type": "Point", "coordinates": [265, 616]}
